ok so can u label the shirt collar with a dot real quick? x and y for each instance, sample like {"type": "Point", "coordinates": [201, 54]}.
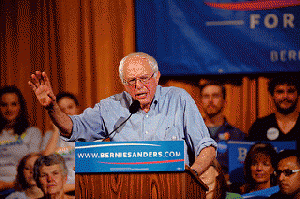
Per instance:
{"type": "Point", "coordinates": [157, 95]}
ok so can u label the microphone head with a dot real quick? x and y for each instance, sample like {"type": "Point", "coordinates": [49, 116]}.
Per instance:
{"type": "Point", "coordinates": [134, 107]}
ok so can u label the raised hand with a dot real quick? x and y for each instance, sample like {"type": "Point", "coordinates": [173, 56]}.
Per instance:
{"type": "Point", "coordinates": [41, 86]}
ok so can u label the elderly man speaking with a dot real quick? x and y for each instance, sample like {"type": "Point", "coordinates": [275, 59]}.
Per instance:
{"type": "Point", "coordinates": [165, 113]}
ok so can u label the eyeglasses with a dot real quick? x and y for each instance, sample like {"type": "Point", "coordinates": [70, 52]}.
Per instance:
{"type": "Point", "coordinates": [143, 80]}
{"type": "Point", "coordinates": [286, 172]}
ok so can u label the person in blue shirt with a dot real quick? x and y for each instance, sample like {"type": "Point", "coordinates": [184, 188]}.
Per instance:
{"type": "Point", "coordinates": [166, 113]}
{"type": "Point", "coordinates": [213, 98]}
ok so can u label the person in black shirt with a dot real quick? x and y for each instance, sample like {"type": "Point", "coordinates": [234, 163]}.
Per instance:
{"type": "Point", "coordinates": [288, 175]}
{"type": "Point", "coordinates": [284, 123]}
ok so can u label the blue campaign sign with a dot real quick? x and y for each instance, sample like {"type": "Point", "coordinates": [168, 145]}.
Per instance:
{"type": "Point", "coordinates": [237, 152]}
{"type": "Point", "coordinates": [220, 37]}
{"type": "Point", "coordinates": [129, 156]}
{"type": "Point", "coordinates": [261, 194]}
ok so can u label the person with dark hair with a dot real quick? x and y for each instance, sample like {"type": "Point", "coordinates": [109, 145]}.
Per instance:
{"type": "Point", "coordinates": [216, 182]}
{"type": "Point", "coordinates": [162, 114]}
{"type": "Point", "coordinates": [284, 123]}
{"type": "Point", "coordinates": [214, 178]}
{"type": "Point", "coordinates": [50, 174]}
{"type": "Point", "coordinates": [52, 143]}
{"type": "Point", "coordinates": [259, 167]}
{"type": "Point", "coordinates": [17, 138]}
{"type": "Point", "coordinates": [26, 187]}
{"type": "Point", "coordinates": [67, 102]}
{"type": "Point", "coordinates": [213, 98]}
{"type": "Point", "coordinates": [288, 175]}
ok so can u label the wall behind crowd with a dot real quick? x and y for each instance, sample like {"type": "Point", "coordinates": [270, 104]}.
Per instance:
{"type": "Point", "coordinates": [80, 43]}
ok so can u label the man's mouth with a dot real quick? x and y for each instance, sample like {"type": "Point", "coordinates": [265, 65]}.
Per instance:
{"type": "Point", "coordinates": [141, 95]}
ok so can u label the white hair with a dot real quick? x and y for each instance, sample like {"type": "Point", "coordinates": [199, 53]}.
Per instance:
{"type": "Point", "coordinates": [151, 60]}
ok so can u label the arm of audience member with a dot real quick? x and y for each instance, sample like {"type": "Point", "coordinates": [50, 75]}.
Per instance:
{"type": "Point", "coordinates": [6, 185]}
{"type": "Point", "coordinates": [51, 146]}
{"type": "Point", "coordinates": [41, 86]}
{"type": "Point", "coordinates": [204, 159]}
{"type": "Point", "coordinates": [34, 139]}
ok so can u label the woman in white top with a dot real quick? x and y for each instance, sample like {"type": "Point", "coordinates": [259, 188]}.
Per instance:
{"type": "Point", "coordinates": [17, 138]}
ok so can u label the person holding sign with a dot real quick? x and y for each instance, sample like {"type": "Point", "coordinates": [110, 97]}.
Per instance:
{"type": "Point", "coordinates": [165, 113]}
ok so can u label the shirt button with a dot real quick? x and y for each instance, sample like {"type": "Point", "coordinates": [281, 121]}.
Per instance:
{"type": "Point", "coordinates": [147, 132]}
{"type": "Point", "coordinates": [147, 116]}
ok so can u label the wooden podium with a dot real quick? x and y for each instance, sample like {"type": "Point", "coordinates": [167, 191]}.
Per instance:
{"type": "Point", "coordinates": [140, 185]}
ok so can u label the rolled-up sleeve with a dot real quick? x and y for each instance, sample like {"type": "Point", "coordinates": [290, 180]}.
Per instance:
{"type": "Point", "coordinates": [195, 127]}
{"type": "Point", "coordinates": [88, 126]}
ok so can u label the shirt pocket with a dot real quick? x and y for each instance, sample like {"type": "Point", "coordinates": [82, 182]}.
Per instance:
{"type": "Point", "coordinates": [172, 133]}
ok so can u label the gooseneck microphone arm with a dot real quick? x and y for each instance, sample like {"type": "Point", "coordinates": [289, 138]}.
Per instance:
{"type": "Point", "coordinates": [134, 107]}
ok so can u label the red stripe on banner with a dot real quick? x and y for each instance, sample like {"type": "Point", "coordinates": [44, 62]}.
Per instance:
{"type": "Point", "coordinates": [255, 5]}
{"type": "Point", "coordinates": [155, 162]}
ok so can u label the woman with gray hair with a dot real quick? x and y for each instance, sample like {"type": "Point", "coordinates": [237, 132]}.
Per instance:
{"type": "Point", "coordinates": [50, 173]}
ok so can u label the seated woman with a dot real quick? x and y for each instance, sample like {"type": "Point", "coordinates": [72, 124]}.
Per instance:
{"type": "Point", "coordinates": [51, 173]}
{"type": "Point", "coordinates": [259, 168]}
{"type": "Point", "coordinates": [17, 138]}
{"type": "Point", "coordinates": [26, 186]}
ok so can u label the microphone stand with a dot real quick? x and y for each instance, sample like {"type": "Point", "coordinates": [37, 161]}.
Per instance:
{"type": "Point", "coordinates": [107, 138]}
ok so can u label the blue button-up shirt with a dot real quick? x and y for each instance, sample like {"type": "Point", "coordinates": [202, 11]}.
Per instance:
{"type": "Point", "coordinates": [173, 115]}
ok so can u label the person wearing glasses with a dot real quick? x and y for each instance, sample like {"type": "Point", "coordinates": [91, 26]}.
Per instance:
{"type": "Point", "coordinates": [165, 113]}
{"type": "Point", "coordinates": [288, 175]}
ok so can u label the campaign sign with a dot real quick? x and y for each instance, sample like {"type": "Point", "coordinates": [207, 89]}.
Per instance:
{"type": "Point", "coordinates": [143, 156]}
{"type": "Point", "coordinates": [264, 193]}
{"type": "Point", "coordinates": [237, 152]}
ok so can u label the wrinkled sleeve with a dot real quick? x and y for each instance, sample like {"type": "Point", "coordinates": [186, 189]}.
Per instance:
{"type": "Point", "coordinates": [88, 126]}
{"type": "Point", "coordinates": [195, 128]}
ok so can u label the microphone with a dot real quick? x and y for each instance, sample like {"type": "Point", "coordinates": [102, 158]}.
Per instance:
{"type": "Point", "coordinates": [133, 108]}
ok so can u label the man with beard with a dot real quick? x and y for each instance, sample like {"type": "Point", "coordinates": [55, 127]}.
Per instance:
{"type": "Point", "coordinates": [213, 98]}
{"type": "Point", "coordinates": [284, 124]}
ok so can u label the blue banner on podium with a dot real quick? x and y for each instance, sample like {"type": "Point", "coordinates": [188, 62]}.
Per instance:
{"type": "Point", "coordinates": [146, 156]}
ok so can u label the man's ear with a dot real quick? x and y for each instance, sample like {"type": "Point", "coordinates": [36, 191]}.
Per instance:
{"type": "Point", "coordinates": [157, 77]}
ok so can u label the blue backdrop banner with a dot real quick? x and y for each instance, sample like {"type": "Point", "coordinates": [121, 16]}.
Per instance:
{"type": "Point", "coordinates": [220, 37]}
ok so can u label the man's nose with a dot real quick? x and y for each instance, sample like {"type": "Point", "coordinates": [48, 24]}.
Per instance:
{"type": "Point", "coordinates": [49, 178]}
{"type": "Point", "coordinates": [285, 94]}
{"type": "Point", "coordinates": [10, 107]}
{"type": "Point", "coordinates": [258, 167]}
{"type": "Point", "coordinates": [138, 84]}
{"type": "Point", "coordinates": [281, 177]}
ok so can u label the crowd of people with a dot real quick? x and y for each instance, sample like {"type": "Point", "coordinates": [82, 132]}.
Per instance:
{"type": "Point", "coordinates": [42, 165]}
{"type": "Point", "coordinates": [21, 145]}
